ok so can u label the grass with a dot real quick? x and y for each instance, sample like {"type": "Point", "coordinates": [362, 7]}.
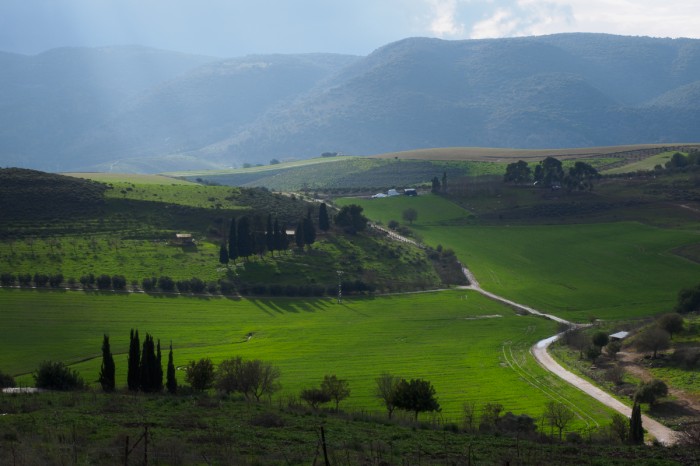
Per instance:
{"type": "Point", "coordinates": [646, 164]}
{"type": "Point", "coordinates": [608, 270]}
{"type": "Point", "coordinates": [440, 336]}
{"type": "Point", "coordinates": [128, 178]}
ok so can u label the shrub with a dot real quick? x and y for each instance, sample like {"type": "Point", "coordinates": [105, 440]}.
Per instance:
{"type": "Point", "coordinates": [87, 280]}
{"type": "Point", "coordinates": [687, 357]}
{"type": "Point", "coordinates": [119, 282]}
{"type": "Point", "coordinates": [6, 380]}
{"type": "Point", "coordinates": [149, 284]}
{"type": "Point", "coordinates": [55, 280]}
{"type": "Point", "coordinates": [57, 376]}
{"type": "Point", "coordinates": [40, 279]}
{"type": "Point", "coordinates": [200, 374]}
{"type": "Point", "coordinates": [166, 283]}
{"type": "Point", "coordinates": [197, 285]}
{"type": "Point", "coordinates": [103, 282]}
{"type": "Point", "coordinates": [650, 392]}
{"type": "Point", "coordinates": [183, 286]}
{"type": "Point", "coordinates": [7, 279]}
{"type": "Point", "coordinates": [24, 279]}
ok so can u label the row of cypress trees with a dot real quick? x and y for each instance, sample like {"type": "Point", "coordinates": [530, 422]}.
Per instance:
{"type": "Point", "coordinates": [145, 368]}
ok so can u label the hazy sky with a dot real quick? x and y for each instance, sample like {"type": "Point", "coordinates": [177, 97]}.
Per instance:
{"type": "Point", "coordinates": [229, 28]}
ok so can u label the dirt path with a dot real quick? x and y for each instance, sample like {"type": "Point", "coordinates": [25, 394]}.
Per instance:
{"type": "Point", "coordinates": [660, 432]}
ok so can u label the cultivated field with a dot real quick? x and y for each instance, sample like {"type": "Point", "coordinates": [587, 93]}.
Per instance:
{"type": "Point", "coordinates": [470, 348]}
{"type": "Point", "coordinates": [577, 271]}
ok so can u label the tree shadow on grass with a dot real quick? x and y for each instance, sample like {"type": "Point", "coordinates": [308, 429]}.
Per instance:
{"type": "Point", "coordinates": [290, 305]}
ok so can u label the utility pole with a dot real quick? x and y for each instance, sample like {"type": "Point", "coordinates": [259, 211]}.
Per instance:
{"type": "Point", "coordinates": [340, 287]}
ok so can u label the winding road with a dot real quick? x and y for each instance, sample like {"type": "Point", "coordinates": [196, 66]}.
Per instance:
{"type": "Point", "coordinates": [660, 432]}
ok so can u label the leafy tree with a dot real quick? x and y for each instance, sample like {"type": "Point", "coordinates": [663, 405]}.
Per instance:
{"type": "Point", "coordinates": [228, 375]}
{"type": "Point", "coordinates": [323, 220]}
{"type": "Point", "coordinates": [653, 339]}
{"type": "Point", "coordinates": [416, 395]}
{"type": "Point", "coordinates": [232, 242]}
{"type": "Point", "coordinates": [387, 386]}
{"type": "Point", "coordinates": [688, 300]}
{"type": "Point", "coordinates": [57, 376]}
{"type": "Point", "coordinates": [107, 370]}
{"type": "Point", "coordinates": [119, 282]}
{"type": "Point", "coordinates": [7, 279]}
{"type": "Point", "coordinates": [558, 415]}
{"type": "Point", "coordinates": [677, 160]}
{"type": "Point", "coordinates": [581, 177]}
{"type": "Point", "coordinates": [103, 282]}
{"type": "Point", "coordinates": [490, 415]}
{"type": "Point", "coordinates": [518, 172]}
{"type": "Point", "coordinates": [410, 215]}
{"type": "Point", "coordinates": [337, 389]}
{"type": "Point", "coordinates": [671, 322]}
{"type": "Point", "coordinates": [636, 435]}
{"type": "Point", "coordinates": [133, 376]}
{"type": "Point", "coordinates": [620, 427]}
{"type": "Point", "coordinates": [600, 339]}
{"type": "Point", "coordinates": [166, 283]}
{"type": "Point", "coordinates": [55, 280]}
{"type": "Point", "coordinates": [549, 172]}
{"type": "Point", "coordinates": [274, 162]}
{"type": "Point", "coordinates": [314, 397]}
{"type": "Point", "coordinates": [613, 347]}
{"type": "Point", "coordinates": [351, 219]}
{"type": "Point", "coordinates": [223, 254]}
{"type": "Point", "coordinates": [650, 392]}
{"type": "Point", "coordinates": [200, 374]}
{"type": "Point", "coordinates": [171, 380]}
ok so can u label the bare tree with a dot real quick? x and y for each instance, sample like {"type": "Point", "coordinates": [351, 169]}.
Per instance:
{"type": "Point", "coordinates": [337, 389]}
{"type": "Point", "coordinates": [558, 415]}
{"type": "Point", "coordinates": [387, 386]}
{"type": "Point", "coordinates": [469, 415]}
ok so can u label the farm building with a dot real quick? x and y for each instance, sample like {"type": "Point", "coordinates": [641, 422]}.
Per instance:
{"type": "Point", "coordinates": [183, 239]}
{"type": "Point", "coordinates": [410, 192]}
{"type": "Point", "coordinates": [619, 336]}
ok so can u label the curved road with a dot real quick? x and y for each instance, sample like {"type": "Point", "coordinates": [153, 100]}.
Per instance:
{"type": "Point", "coordinates": [662, 433]}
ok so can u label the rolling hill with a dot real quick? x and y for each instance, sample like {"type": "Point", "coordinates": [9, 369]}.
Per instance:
{"type": "Point", "coordinates": [564, 90]}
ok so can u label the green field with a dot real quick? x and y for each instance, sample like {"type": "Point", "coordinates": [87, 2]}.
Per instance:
{"type": "Point", "coordinates": [450, 338]}
{"type": "Point", "coordinates": [128, 178]}
{"type": "Point", "coordinates": [608, 270]}
{"type": "Point", "coordinates": [643, 165]}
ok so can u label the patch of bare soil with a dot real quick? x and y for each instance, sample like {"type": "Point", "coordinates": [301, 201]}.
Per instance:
{"type": "Point", "coordinates": [682, 406]}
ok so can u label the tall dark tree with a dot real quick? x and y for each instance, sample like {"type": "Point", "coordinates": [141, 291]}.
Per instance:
{"type": "Point", "coordinates": [148, 370]}
{"type": "Point", "coordinates": [270, 235]}
{"type": "Point", "coordinates": [232, 241]}
{"type": "Point", "coordinates": [223, 254]}
{"type": "Point", "coordinates": [435, 188]}
{"type": "Point", "coordinates": [309, 230]}
{"type": "Point", "coordinates": [299, 234]}
{"type": "Point", "coordinates": [444, 182]}
{"type": "Point", "coordinates": [324, 223]}
{"type": "Point", "coordinates": [159, 368]}
{"type": "Point", "coordinates": [277, 237]}
{"type": "Point", "coordinates": [244, 238]}
{"type": "Point", "coordinates": [636, 429]}
{"type": "Point", "coordinates": [171, 380]}
{"type": "Point", "coordinates": [107, 369]}
{"type": "Point", "coordinates": [133, 374]}
{"type": "Point", "coordinates": [284, 239]}
{"type": "Point", "coordinates": [259, 237]}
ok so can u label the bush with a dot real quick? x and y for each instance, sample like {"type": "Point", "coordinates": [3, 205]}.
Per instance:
{"type": "Point", "coordinates": [149, 284]}
{"type": "Point", "coordinates": [103, 282]}
{"type": "Point", "coordinates": [57, 376]}
{"type": "Point", "coordinates": [689, 358]}
{"type": "Point", "coordinates": [6, 380]}
{"type": "Point", "coordinates": [200, 374]}
{"type": "Point", "coordinates": [197, 285]}
{"type": "Point", "coordinates": [650, 392]}
{"type": "Point", "coordinates": [55, 280]}
{"type": "Point", "coordinates": [24, 279]}
{"type": "Point", "coordinates": [7, 279]}
{"type": "Point", "coordinates": [119, 282]}
{"type": "Point", "coordinates": [41, 279]}
{"type": "Point", "coordinates": [183, 286]}
{"type": "Point", "coordinates": [166, 283]}
{"type": "Point", "coordinates": [87, 280]}
{"type": "Point", "coordinates": [227, 286]}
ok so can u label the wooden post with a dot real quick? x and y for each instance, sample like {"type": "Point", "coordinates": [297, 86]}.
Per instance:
{"type": "Point", "coordinates": [325, 452]}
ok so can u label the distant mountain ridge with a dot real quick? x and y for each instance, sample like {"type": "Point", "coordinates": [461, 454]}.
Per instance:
{"type": "Point", "coordinates": [83, 109]}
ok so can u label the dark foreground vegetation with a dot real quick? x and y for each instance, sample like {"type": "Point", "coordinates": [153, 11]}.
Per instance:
{"type": "Point", "coordinates": [197, 428]}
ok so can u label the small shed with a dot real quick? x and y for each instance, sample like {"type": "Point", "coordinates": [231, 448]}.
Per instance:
{"type": "Point", "coordinates": [410, 192]}
{"type": "Point", "coordinates": [619, 336]}
{"type": "Point", "coordinates": [184, 239]}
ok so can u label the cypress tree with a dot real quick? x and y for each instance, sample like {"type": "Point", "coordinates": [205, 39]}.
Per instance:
{"type": "Point", "coordinates": [133, 374]}
{"type": "Point", "coordinates": [299, 235]}
{"type": "Point", "coordinates": [223, 254]}
{"type": "Point", "coordinates": [277, 238]}
{"type": "Point", "coordinates": [159, 369]}
{"type": "Point", "coordinates": [636, 429]}
{"type": "Point", "coordinates": [284, 239]}
{"type": "Point", "coordinates": [108, 368]}
{"type": "Point", "coordinates": [232, 242]}
{"type": "Point", "coordinates": [324, 223]}
{"type": "Point", "coordinates": [148, 370]}
{"type": "Point", "coordinates": [171, 381]}
{"type": "Point", "coordinates": [270, 235]}
{"type": "Point", "coordinates": [444, 182]}
{"type": "Point", "coordinates": [309, 230]}
{"type": "Point", "coordinates": [243, 241]}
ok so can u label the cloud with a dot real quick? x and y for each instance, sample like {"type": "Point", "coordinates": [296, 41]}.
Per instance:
{"type": "Point", "coordinates": [677, 18]}
{"type": "Point", "coordinates": [444, 22]}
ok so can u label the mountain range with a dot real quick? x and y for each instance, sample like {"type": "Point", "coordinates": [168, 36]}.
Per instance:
{"type": "Point", "coordinates": [146, 110]}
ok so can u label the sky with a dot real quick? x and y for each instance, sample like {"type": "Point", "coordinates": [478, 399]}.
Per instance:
{"type": "Point", "coordinates": [232, 28]}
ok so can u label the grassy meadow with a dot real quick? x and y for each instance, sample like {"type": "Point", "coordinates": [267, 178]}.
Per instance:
{"type": "Point", "coordinates": [470, 348]}
{"type": "Point", "coordinates": [606, 270]}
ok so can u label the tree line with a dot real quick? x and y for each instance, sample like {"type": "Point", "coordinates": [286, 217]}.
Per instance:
{"type": "Point", "coordinates": [549, 173]}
